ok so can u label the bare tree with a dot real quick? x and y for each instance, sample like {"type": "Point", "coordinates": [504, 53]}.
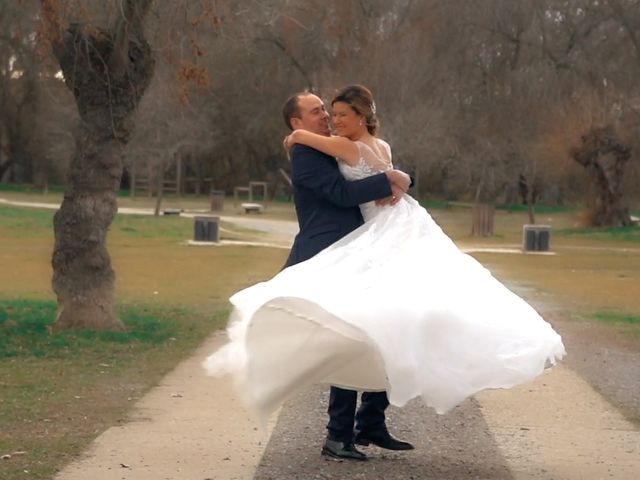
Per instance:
{"type": "Point", "coordinates": [108, 71]}
{"type": "Point", "coordinates": [19, 92]}
{"type": "Point", "coordinates": [467, 93]}
{"type": "Point", "coordinates": [604, 157]}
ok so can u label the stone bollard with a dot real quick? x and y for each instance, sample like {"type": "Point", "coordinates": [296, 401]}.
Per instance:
{"type": "Point", "coordinates": [536, 238]}
{"type": "Point", "coordinates": [206, 229]}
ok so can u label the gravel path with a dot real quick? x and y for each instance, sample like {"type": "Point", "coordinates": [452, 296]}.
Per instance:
{"type": "Point", "coordinates": [457, 446]}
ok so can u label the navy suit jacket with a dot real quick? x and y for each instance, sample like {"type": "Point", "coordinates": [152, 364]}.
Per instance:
{"type": "Point", "coordinates": [326, 203]}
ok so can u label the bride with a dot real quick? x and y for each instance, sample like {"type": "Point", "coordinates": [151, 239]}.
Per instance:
{"type": "Point", "coordinates": [393, 306]}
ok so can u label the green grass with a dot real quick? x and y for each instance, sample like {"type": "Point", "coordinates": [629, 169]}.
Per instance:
{"type": "Point", "coordinates": [615, 317]}
{"type": "Point", "coordinates": [434, 204]}
{"type": "Point", "coordinates": [282, 199]}
{"type": "Point", "coordinates": [626, 323]}
{"type": "Point", "coordinates": [35, 222]}
{"type": "Point", "coordinates": [26, 221]}
{"type": "Point", "coordinates": [537, 208]}
{"type": "Point", "coordinates": [513, 208]}
{"type": "Point", "coordinates": [59, 391]}
{"type": "Point", "coordinates": [25, 326]}
{"type": "Point", "coordinates": [147, 226]}
{"type": "Point", "coordinates": [627, 234]}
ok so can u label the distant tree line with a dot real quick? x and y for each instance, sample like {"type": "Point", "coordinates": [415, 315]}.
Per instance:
{"type": "Point", "coordinates": [493, 101]}
{"type": "Point", "coordinates": [482, 101]}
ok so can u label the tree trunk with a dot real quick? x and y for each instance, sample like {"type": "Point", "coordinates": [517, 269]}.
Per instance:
{"type": "Point", "coordinates": [483, 215]}
{"type": "Point", "coordinates": [530, 197]}
{"type": "Point", "coordinates": [108, 72]}
{"type": "Point", "coordinates": [604, 158]}
{"type": "Point", "coordinates": [444, 182]}
{"type": "Point", "coordinates": [531, 211]}
{"type": "Point", "coordinates": [160, 189]}
{"type": "Point", "coordinates": [4, 167]}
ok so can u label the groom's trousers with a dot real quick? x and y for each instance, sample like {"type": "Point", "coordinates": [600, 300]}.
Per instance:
{"type": "Point", "coordinates": [342, 413]}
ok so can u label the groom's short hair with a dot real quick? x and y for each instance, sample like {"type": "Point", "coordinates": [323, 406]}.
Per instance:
{"type": "Point", "coordinates": [291, 108]}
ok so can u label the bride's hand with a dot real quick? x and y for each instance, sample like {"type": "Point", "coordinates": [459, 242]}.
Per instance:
{"type": "Point", "coordinates": [289, 141]}
{"type": "Point", "coordinates": [399, 179]}
{"type": "Point", "coordinates": [285, 143]}
{"type": "Point", "coordinates": [396, 195]}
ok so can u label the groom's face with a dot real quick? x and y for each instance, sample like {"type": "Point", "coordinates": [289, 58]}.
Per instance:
{"type": "Point", "coordinates": [313, 115]}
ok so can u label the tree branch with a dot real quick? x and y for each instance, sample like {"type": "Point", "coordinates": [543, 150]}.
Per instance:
{"type": "Point", "coordinates": [52, 27]}
{"type": "Point", "coordinates": [129, 24]}
{"type": "Point", "coordinates": [278, 43]}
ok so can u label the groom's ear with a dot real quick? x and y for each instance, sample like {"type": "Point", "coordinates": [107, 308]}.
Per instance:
{"type": "Point", "coordinates": [296, 123]}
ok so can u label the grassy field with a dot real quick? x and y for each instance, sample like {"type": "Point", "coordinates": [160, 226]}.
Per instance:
{"type": "Point", "coordinates": [594, 273]}
{"type": "Point", "coordinates": [280, 208]}
{"type": "Point", "coordinates": [59, 392]}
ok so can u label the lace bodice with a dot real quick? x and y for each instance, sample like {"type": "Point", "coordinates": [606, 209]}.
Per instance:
{"type": "Point", "coordinates": [369, 163]}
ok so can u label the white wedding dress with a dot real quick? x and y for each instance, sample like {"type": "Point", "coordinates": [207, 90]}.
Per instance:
{"type": "Point", "coordinates": [393, 306]}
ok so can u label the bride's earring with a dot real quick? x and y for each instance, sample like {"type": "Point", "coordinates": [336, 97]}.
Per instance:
{"type": "Point", "coordinates": [360, 122]}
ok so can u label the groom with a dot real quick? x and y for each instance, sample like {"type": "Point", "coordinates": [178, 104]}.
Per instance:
{"type": "Point", "coordinates": [327, 209]}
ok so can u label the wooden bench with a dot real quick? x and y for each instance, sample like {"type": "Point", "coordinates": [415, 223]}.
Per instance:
{"type": "Point", "coordinates": [252, 207]}
{"type": "Point", "coordinates": [172, 211]}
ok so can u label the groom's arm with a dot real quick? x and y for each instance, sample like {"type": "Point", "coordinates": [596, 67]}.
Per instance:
{"type": "Point", "coordinates": [318, 173]}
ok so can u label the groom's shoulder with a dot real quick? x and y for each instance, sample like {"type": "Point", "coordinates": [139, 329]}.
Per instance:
{"type": "Point", "coordinates": [303, 151]}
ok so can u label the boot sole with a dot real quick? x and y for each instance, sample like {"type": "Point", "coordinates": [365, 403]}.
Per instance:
{"type": "Point", "coordinates": [366, 443]}
{"type": "Point", "coordinates": [328, 453]}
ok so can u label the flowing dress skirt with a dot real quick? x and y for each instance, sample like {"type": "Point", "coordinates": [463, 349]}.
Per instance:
{"type": "Point", "coordinates": [393, 306]}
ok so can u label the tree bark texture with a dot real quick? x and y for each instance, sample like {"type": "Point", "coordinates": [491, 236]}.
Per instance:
{"type": "Point", "coordinates": [604, 158]}
{"type": "Point", "coordinates": [108, 72]}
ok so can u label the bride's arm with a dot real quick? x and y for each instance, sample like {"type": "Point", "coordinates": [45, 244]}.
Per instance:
{"type": "Point", "coordinates": [340, 147]}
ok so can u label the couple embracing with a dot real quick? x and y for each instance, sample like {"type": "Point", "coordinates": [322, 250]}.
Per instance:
{"type": "Point", "coordinates": [374, 297]}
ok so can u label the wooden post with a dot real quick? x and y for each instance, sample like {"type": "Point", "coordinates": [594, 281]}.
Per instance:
{"type": "Point", "coordinates": [179, 188]}
{"type": "Point", "coordinates": [237, 191]}
{"type": "Point", "coordinates": [160, 189]}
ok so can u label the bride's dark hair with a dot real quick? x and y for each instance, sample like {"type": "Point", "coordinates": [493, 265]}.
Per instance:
{"type": "Point", "coordinates": [360, 99]}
